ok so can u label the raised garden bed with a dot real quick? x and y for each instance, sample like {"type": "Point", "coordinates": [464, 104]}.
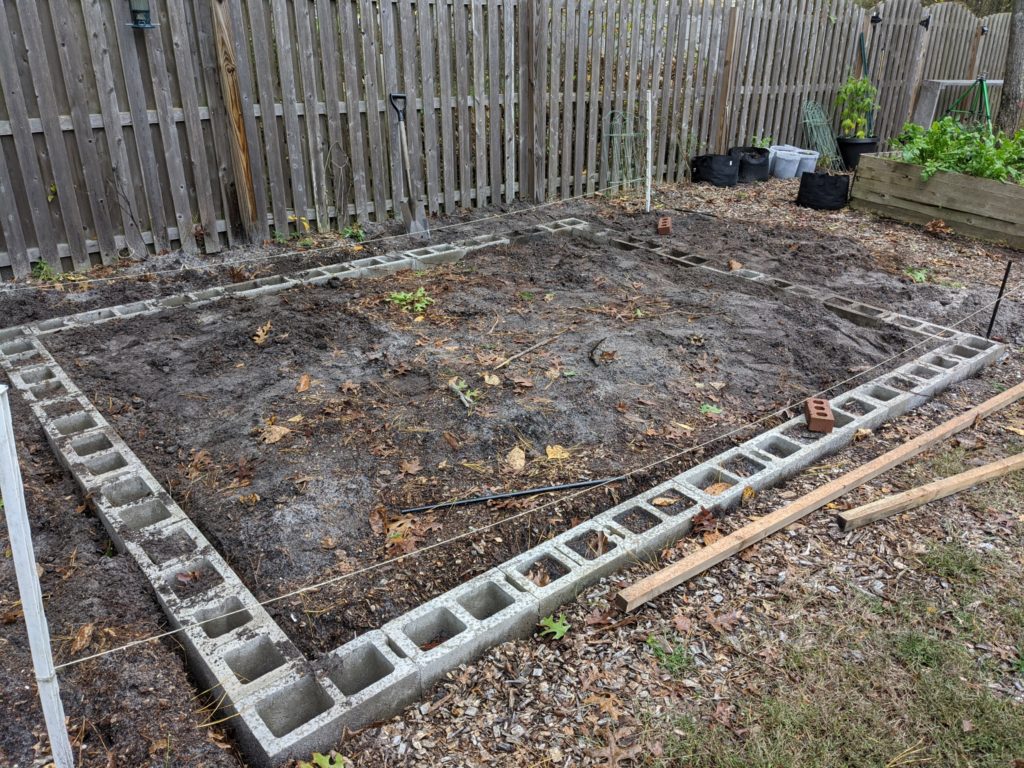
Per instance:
{"type": "Point", "coordinates": [982, 208]}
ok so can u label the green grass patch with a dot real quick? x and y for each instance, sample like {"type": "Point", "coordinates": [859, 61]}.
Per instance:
{"type": "Point", "coordinates": [674, 658]}
{"type": "Point", "coordinates": [954, 563]}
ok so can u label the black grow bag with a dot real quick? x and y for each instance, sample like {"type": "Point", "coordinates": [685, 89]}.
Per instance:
{"type": "Point", "coordinates": [753, 163]}
{"type": "Point", "coordinates": [720, 170]}
{"type": "Point", "coordinates": [823, 191]}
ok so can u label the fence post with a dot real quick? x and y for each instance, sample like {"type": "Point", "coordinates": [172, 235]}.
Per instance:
{"type": "Point", "coordinates": [916, 74]}
{"type": "Point", "coordinates": [20, 534]}
{"type": "Point", "coordinates": [724, 106]}
{"type": "Point", "coordinates": [527, 75]}
{"type": "Point", "coordinates": [232, 96]}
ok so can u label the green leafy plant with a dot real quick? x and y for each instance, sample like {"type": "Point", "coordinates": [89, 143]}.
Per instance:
{"type": "Point", "coordinates": [306, 242]}
{"type": "Point", "coordinates": [709, 409]}
{"type": "Point", "coordinates": [674, 659]}
{"type": "Point", "coordinates": [281, 238]}
{"type": "Point", "coordinates": [552, 627]}
{"type": "Point", "coordinates": [949, 146]}
{"type": "Point", "coordinates": [43, 271]}
{"type": "Point", "coordinates": [473, 395]}
{"type": "Point", "coordinates": [764, 142]}
{"type": "Point", "coordinates": [332, 760]}
{"type": "Point", "coordinates": [415, 301]}
{"type": "Point", "coordinates": [354, 232]}
{"type": "Point", "coordinates": [917, 274]}
{"type": "Point", "coordinates": [857, 99]}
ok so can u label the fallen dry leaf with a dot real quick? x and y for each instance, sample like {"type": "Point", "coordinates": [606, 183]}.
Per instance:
{"type": "Point", "coordinates": [613, 753]}
{"type": "Point", "coordinates": [263, 333]}
{"type": "Point", "coordinates": [862, 433]}
{"type": "Point", "coordinates": [516, 459]}
{"type": "Point", "coordinates": [663, 501]}
{"type": "Point", "coordinates": [304, 382]}
{"type": "Point", "coordinates": [556, 452]}
{"type": "Point", "coordinates": [249, 501]}
{"type": "Point", "coordinates": [273, 433]}
{"type": "Point", "coordinates": [492, 380]}
{"type": "Point", "coordinates": [723, 623]}
{"type": "Point", "coordinates": [748, 495]}
{"type": "Point", "coordinates": [328, 543]}
{"type": "Point", "coordinates": [683, 624]}
{"type": "Point", "coordinates": [83, 638]}
{"type": "Point", "coordinates": [711, 537]}
{"type": "Point", "coordinates": [410, 467]}
{"type": "Point", "coordinates": [734, 265]}
{"type": "Point", "coordinates": [716, 488]}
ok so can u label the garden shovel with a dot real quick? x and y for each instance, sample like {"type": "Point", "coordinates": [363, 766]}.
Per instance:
{"type": "Point", "coordinates": [415, 220]}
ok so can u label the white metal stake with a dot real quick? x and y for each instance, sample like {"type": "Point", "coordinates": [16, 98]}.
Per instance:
{"type": "Point", "coordinates": [28, 586]}
{"type": "Point", "coordinates": [649, 170]}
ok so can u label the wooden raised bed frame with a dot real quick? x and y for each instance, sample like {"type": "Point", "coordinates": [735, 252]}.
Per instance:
{"type": "Point", "coordinates": [982, 208]}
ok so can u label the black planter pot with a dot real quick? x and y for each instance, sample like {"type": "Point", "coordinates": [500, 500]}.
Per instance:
{"type": "Point", "coordinates": [720, 170]}
{"type": "Point", "coordinates": [823, 191]}
{"type": "Point", "coordinates": [753, 163]}
{"type": "Point", "coordinates": [851, 149]}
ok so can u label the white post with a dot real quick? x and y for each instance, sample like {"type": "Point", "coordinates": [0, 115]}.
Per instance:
{"type": "Point", "coordinates": [28, 586]}
{"type": "Point", "coordinates": [650, 173]}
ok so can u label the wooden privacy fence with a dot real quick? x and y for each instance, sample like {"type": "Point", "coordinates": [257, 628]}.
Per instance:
{"type": "Point", "coordinates": [237, 121]}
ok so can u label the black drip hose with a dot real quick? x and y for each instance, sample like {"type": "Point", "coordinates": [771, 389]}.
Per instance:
{"type": "Point", "coordinates": [513, 494]}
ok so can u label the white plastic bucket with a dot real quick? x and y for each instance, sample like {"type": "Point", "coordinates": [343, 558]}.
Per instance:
{"type": "Point", "coordinates": [786, 164]}
{"type": "Point", "coordinates": [776, 148]}
{"type": "Point", "coordinates": [808, 161]}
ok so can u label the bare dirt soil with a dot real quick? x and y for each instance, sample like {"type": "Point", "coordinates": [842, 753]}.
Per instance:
{"type": "Point", "coordinates": [295, 455]}
{"type": "Point", "coordinates": [733, 683]}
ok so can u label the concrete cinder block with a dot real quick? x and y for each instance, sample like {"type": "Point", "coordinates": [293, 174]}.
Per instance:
{"type": "Point", "coordinates": [557, 578]}
{"type": "Point", "coordinates": [437, 637]}
{"type": "Point", "coordinates": [646, 530]}
{"type": "Point", "coordinates": [289, 719]}
{"type": "Point", "coordinates": [374, 679]}
{"type": "Point", "coordinates": [599, 548]}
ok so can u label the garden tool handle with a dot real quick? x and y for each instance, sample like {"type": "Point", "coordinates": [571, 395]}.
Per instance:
{"type": "Point", "coordinates": [398, 102]}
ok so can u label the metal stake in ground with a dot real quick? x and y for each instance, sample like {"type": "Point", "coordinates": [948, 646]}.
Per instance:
{"type": "Point", "coordinates": [13, 494]}
{"type": "Point", "coordinates": [999, 299]}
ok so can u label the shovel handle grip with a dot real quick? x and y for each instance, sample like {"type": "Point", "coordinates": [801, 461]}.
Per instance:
{"type": "Point", "coordinates": [398, 102]}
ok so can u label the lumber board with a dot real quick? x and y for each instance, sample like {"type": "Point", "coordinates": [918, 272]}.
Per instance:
{"type": "Point", "coordinates": [956, 191]}
{"type": "Point", "coordinates": [917, 497]}
{"type": "Point", "coordinates": [661, 581]}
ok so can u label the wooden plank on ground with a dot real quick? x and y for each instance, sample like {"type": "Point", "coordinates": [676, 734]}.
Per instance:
{"type": "Point", "coordinates": [917, 497]}
{"type": "Point", "coordinates": [661, 581]}
{"type": "Point", "coordinates": [56, 148]}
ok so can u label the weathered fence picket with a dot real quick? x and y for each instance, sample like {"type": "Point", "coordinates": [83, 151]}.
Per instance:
{"type": "Point", "coordinates": [241, 120]}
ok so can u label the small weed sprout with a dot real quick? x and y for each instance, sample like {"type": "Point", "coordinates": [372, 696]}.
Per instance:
{"type": "Point", "coordinates": [354, 232]}
{"type": "Point", "coordinates": [44, 272]}
{"type": "Point", "coordinates": [281, 238]}
{"type": "Point", "coordinates": [674, 659]}
{"type": "Point", "coordinates": [917, 274]}
{"type": "Point", "coordinates": [473, 395]}
{"type": "Point", "coordinates": [416, 301]}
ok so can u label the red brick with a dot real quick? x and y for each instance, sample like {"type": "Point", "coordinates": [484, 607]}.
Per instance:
{"type": "Point", "coordinates": [665, 225]}
{"type": "Point", "coordinates": [819, 415]}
